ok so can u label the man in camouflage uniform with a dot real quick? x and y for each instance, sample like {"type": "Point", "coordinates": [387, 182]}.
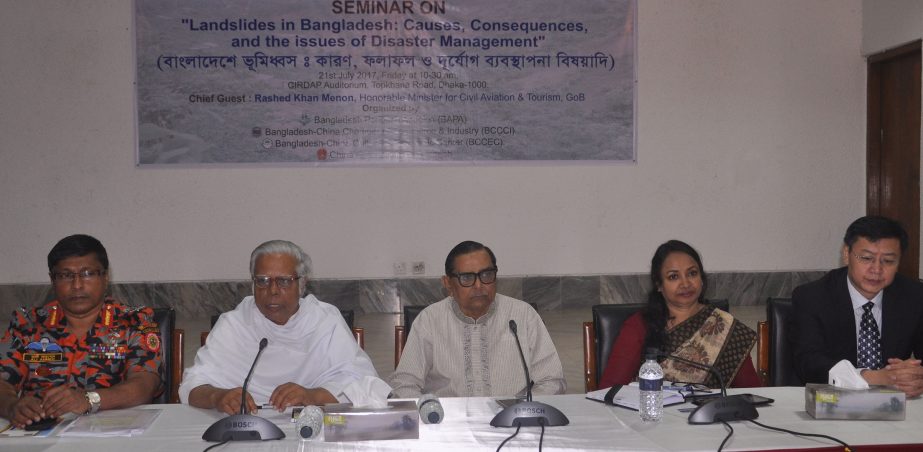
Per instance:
{"type": "Point", "coordinates": [81, 352]}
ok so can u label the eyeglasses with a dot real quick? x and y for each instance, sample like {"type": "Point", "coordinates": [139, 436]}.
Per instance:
{"type": "Point", "coordinates": [487, 276]}
{"type": "Point", "coordinates": [866, 259]}
{"type": "Point", "coordinates": [283, 282]}
{"type": "Point", "coordinates": [85, 275]}
{"type": "Point", "coordinates": [688, 389]}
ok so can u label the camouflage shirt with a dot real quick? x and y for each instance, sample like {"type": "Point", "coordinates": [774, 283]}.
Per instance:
{"type": "Point", "coordinates": [38, 352]}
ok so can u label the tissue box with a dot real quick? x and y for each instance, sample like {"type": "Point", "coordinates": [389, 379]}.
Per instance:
{"type": "Point", "coordinates": [399, 420]}
{"type": "Point", "coordinates": [876, 403]}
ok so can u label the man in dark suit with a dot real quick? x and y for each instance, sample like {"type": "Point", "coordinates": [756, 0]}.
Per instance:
{"type": "Point", "coordinates": [865, 312]}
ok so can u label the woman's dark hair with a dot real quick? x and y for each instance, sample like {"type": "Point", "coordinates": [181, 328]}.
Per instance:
{"type": "Point", "coordinates": [656, 314]}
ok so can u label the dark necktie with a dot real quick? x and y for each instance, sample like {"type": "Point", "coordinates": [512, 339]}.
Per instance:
{"type": "Point", "coordinates": [869, 356]}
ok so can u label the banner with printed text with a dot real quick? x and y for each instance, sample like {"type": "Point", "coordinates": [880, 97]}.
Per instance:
{"type": "Point", "coordinates": [400, 82]}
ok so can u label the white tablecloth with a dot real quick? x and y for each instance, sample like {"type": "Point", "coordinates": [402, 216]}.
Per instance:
{"type": "Point", "coordinates": [593, 426]}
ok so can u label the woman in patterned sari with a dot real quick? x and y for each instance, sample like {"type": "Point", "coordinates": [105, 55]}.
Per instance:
{"type": "Point", "coordinates": [678, 321]}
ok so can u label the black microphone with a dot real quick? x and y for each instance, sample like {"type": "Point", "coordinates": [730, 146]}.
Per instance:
{"type": "Point", "coordinates": [528, 413]}
{"type": "Point", "coordinates": [725, 408]}
{"type": "Point", "coordinates": [244, 427]}
{"type": "Point", "coordinates": [522, 356]}
{"type": "Point", "coordinates": [243, 392]}
{"type": "Point", "coordinates": [706, 367]}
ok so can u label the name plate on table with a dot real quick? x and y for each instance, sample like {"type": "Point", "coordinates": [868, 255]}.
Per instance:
{"type": "Point", "coordinates": [343, 422]}
{"type": "Point", "coordinates": [876, 403]}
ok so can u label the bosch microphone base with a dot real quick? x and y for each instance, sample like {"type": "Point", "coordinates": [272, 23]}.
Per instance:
{"type": "Point", "coordinates": [730, 408]}
{"type": "Point", "coordinates": [242, 427]}
{"type": "Point", "coordinates": [530, 414]}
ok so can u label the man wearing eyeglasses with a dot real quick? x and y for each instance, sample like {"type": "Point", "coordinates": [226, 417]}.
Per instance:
{"type": "Point", "coordinates": [81, 352]}
{"type": "Point", "coordinates": [311, 357]}
{"type": "Point", "coordinates": [864, 312]}
{"type": "Point", "coordinates": [462, 346]}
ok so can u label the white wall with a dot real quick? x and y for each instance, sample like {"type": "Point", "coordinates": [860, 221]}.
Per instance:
{"type": "Point", "coordinates": [751, 147]}
{"type": "Point", "coordinates": [890, 23]}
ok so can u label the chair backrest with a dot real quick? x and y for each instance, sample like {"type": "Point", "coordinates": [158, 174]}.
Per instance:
{"type": "Point", "coordinates": [359, 335]}
{"type": "Point", "coordinates": [204, 336]}
{"type": "Point", "coordinates": [607, 323]}
{"type": "Point", "coordinates": [762, 351]}
{"type": "Point", "coordinates": [172, 354]}
{"type": "Point", "coordinates": [410, 314]}
{"type": "Point", "coordinates": [349, 316]}
{"type": "Point", "coordinates": [781, 363]}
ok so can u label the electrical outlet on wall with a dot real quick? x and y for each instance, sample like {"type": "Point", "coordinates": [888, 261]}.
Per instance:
{"type": "Point", "coordinates": [400, 268]}
{"type": "Point", "coordinates": [419, 268]}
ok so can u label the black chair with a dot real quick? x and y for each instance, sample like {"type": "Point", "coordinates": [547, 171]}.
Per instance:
{"type": "Point", "coordinates": [349, 316]}
{"type": "Point", "coordinates": [776, 361]}
{"type": "Point", "coordinates": [171, 346]}
{"type": "Point", "coordinates": [600, 334]}
{"type": "Point", "coordinates": [410, 314]}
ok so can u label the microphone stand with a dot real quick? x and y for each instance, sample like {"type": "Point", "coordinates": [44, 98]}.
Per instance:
{"type": "Point", "coordinates": [725, 408]}
{"type": "Point", "coordinates": [242, 426]}
{"type": "Point", "coordinates": [528, 413]}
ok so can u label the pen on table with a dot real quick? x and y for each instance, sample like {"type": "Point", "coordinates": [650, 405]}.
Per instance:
{"type": "Point", "coordinates": [270, 406]}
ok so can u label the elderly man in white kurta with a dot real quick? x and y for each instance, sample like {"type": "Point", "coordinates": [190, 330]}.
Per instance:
{"type": "Point", "coordinates": [311, 356]}
{"type": "Point", "coordinates": [463, 346]}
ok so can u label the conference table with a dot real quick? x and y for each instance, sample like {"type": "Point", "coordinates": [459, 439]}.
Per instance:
{"type": "Point", "coordinates": [593, 426]}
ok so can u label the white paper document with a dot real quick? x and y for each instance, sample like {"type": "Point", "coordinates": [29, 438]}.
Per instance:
{"type": "Point", "coordinates": [629, 396]}
{"type": "Point", "coordinates": [130, 422]}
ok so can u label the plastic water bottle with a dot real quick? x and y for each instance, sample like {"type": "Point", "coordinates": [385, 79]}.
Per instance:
{"type": "Point", "coordinates": [430, 409]}
{"type": "Point", "coordinates": [310, 423]}
{"type": "Point", "coordinates": [650, 380]}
